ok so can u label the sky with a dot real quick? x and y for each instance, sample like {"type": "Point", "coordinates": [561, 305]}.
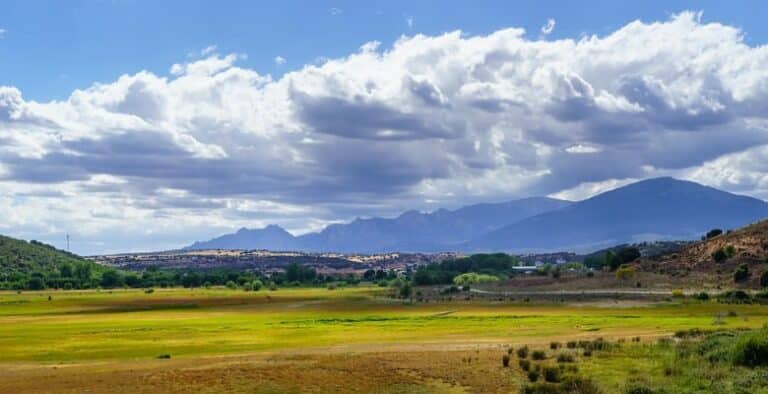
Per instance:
{"type": "Point", "coordinates": [138, 125]}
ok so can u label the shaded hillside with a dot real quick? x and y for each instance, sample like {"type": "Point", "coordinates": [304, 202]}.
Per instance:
{"type": "Point", "coordinates": [654, 209]}
{"type": "Point", "coordinates": [747, 245]}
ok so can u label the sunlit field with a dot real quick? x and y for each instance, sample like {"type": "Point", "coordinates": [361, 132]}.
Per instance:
{"type": "Point", "coordinates": [86, 337]}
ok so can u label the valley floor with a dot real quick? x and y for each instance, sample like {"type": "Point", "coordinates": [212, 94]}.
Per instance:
{"type": "Point", "coordinates": [318, 340]}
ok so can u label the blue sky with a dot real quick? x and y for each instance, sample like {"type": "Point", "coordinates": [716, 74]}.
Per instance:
{"type": "Point", "coordinates": [53, 47]}
{"type": "Point", "coordinates": [137, 125]}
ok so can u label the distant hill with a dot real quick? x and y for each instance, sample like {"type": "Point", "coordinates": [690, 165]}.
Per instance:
{"type": "Point", "coordinates": [410, 232]}
{"type": "Point", "coordinates": [654, 209]}
{"type": "Point", "coordinates": [271, 237]}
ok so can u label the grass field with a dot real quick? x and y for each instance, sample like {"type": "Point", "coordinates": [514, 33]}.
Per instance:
{"type": "Point", "coordinates": [352, 339]}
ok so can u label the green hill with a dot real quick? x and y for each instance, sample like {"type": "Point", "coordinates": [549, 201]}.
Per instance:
{"type": "Point", "coordinates": [35, 265]}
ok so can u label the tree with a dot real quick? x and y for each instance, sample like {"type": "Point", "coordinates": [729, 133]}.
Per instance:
{"type": "Point", "coordinates": [66, 270]}
{"type": "Point", "coordinates": [110, 279]}
{"type": "Point", "coordinates": [36, 283]}
{"type": "Point", "coordinates": [741, 273]}
{"type": "Point", "coordinates": [612, 260]}
{"type": "Point", "coordinates": [83, 272]}
{"type": "Point", "coordinates": [713, 233]}
{"type": "Point", "coordinates": [369, 275]}
{"type": "Point", "coordinates": [629, 254]}
{"type": "Point", "coordinates": [406, 290]}
{"type": "Point", "coordinates": [764, 279]}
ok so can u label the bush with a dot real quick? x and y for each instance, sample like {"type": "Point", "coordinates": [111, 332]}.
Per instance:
{"type": "Point", "coordinates": [703, 296]}
{"type": "Point", "coordinates": [505, 360]}
{"type": "Point", "coordinates": [551, 374]}
{"type": "Point", "coordinates": [714, 233]}
{"type": "Point", "coordinates": [625, 272]}
{"type": "Point", "coordinates": [565, 358]}
{"type": "Point", "coordinates": [523, 352]}
{"type": "Point", "coordinates": [149, 291]}
{"type": "Point", "coordinates": [533, 376]}
{"type": "Point", "coordinates": [677, 293]}
{"type": "Point", "coordinates": [587, 352]}
{"type": "Point", "coordinates": [231, 285]}
{"type": "Point", "coordinates": [764, 279]}
{"type": "Point", "coordinates": [525, 365]}
{"type": "Point", "coordinates": [741, 273]}
{"type": "Point", "coordinates": [571, 344]}
{"type": "Point", "coordinates": [719, 256]}
{"type": "Point", "coordinates": [751, 350]}
{"type": "Point", "coordinates": [538, 355]}
{"type": "Point", "coordinates": [164, 356]}
{"type": "Point", "coordinates": [554, 345]}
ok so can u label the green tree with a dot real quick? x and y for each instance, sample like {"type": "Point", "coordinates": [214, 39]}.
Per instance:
{"type": "Point", "coordinates": [36, 283]}
{"type": "Point", "coordinates": [111, 279]}
{"type": "Point", "coordinates": [764, 279]}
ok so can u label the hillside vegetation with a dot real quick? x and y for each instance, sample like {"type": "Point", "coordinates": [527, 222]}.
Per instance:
{"type": "Point", "coordinates": [35, 265]}
{"type": "Point", "coordinates": [739, 256]}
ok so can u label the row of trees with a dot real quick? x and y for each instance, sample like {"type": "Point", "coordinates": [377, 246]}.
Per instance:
{"type": "Point", "coordinates": [84, 276]}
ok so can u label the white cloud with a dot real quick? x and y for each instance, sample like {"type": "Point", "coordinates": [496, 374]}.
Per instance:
{"type": "Point", "coordinates": [2, 33]}
{"type": "Point", "coordinates": [431, 121]}
{"type": "Point", "coordinates": [279, 60]}
{"type": "Point", "coordinates": [548, 27]}
{"type": "Point", "coordinates": [336, 11]}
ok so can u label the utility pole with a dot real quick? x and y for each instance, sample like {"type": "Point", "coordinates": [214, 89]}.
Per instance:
{"type": "Point", "coordinates": [68, 243]}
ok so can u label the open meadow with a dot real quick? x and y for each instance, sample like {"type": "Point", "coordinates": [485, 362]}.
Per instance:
{"type": "Point", "coordinates": [312, 339]}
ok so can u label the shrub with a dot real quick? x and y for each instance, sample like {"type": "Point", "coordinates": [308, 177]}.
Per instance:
{"type": "Point", "coordinates": [741, 273]}
{"type": "Point", "coordinates": [565, 358]}
{"type": "Point", "coordinates": [149, 291]}
{"type": "Point", "coordinates": [525, 365]}
{"type": "Point", "coordinates": [523, 352]}
{"type": "Point", "coordinates": [764, 279]}
{"type": "Point", "coordinates": [551, 374]}
{"type": "Point", "coordinates": [509, 350]}
{"type": "Point", "coordinates": [714, 233]}
{"type": "Point", "coordinates": [730, 251]}
{"type": "Point", "coordinates": [587, 352]}
{"type": "Point", "coordinates": [533, 376]}
{"type": "Point", "coordinates": [164, 356]}
{"type": "Point", "coordinates": [505, 360]}
{"type": "Point", "coordinates": [719, 256]}
{"type": "Point", "coordinates": [554, 345]}
{"type": "Point", "coordinates": [231, 285]}
{"type": "Point", "coordinates": [571, 344]}
{"type": "Point", "coordinates": [625, 272]}
{"type": "Point", "coordinates": [638, 388]}
{"type": "Point", "coordinates": [751, 350]}
{"type": "Point", "coordinates": [677, 293]}
{"type": "Point", "coordinates": [703, 296]}
{"type": "Point", "coordinates": [538, 355]}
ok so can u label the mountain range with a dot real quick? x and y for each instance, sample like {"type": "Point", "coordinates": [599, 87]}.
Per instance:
{"type": "Point", "coordinates": [653, 209]}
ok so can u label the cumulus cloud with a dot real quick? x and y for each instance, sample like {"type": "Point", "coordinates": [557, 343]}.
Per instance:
{"type": "Point", "coordinates": [548, 27]}
{"type": "Point", "coordinates": [279, 60]}
{"type": "Point", "coordinates": [2, 33]}
{"type": "Point", "coordinates": [431, 121]}
{"type": "Point", "coordinates": [336, 11]}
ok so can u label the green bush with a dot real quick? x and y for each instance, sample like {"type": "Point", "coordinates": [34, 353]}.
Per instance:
{"type": "Point", "coordinates": [571, 344]}
{"type": "Point", "coordinates": [554, 345]}
{"type": "Point", "coordinates": [533, 376]}
{"type": "Point", "coordinates": [764, 279]}
{"type": "Point", "coordinates": [703, 296]}
{"type": "Point", "coordinates": [538, 355]}
{"type": "Point", "coordinates": [551, 374]}
{"type": "Point", "coordinates": [751, 349]}
{"type": "Point", "coordinates": [523, 352]}
{"type": "Point", "coordinates": [741, 273]}
{"type": "Point", "coordinates": [719, 256]}
{"type": "Point", "coordinates": [505, 360]}
{"type": "Point", "coordinates": [565, 358]}
{"type": "Point", "coordinates": [525, 365]}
